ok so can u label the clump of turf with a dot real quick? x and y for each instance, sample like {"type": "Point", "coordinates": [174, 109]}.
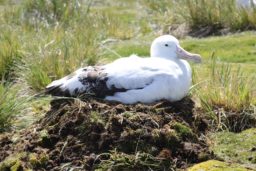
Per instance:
{"type": "Point", "coordinates": [94, 135]}
{"type": "Point", "coordinates": [236, 147]}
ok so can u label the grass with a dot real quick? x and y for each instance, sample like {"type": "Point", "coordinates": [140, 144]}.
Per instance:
{"type": "Point", "coordinates": [230, 88]}
{"type": "Point", "coordinates": [200, 14]}
{"type": "Point", "coordinates": [227, 96]}
{"type": "Point", "coordinates": [9, 54]}
{"type": "Point", "coordinates": [10, 106]}
{"type": "Point", "coordinates": [238, 48]}
{"type": "Point", "coordinates": [235, 147]}
{"type": "Point", "coordinates": [218, 14]}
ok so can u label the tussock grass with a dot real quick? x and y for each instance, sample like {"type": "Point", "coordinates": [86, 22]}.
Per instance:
{"type": "Point", "coordinates": [59, 54]}
{"type": "Point", "coordinates": [219, 14]}
{"type": "Point", "coordinates": [50, 12]}
{"type": "Point", "coordinates": [161, 14]}
{"type": "Point", "coordinates": [228, 97]}
{"type": "Point", "coordinates": [213, 17]}
{"type": "Point", "coordinates": [9, 54]}
{"type": "Point", "coordinates": [10, 105]}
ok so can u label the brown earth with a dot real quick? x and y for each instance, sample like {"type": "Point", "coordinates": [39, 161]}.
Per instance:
{"type": "Point", "coordinates": [93, 135]}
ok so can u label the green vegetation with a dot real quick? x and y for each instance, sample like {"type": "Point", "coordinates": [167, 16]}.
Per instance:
{"type": "Point", "coordinates": [182, 130]}
{"type": "Point", "coordinates": [214, 165]}
{"type": "Point", "coordinates": [13, 162]}
{"type": "Point", "coordinates": [233, 147]}
{"type": "Point", "coordinates": [9, 54]}
{"type": "Point", "coordinates": [10, 105]}
{"type": "Point", "coordinates": [238, 48]}
{"type": "Point", "coordinates": [211, 16]}
{"type": "Point", "coordinates": [218, 14]}
{"type": "Point", "coordinates": [227, 95]}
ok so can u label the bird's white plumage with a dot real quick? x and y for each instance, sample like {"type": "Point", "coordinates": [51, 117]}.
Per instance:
{"type": "Point", "coordinates": [246, 3]}
{"type": "Point", "coordinates": [148, 79]}
{"type": "Point", "coordinates": [165, 75]}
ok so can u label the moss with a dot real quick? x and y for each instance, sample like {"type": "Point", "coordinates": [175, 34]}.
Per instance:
{"type": "Point", "coordinates": [166, 136]}
{"type": "Point", "coordinates": [236, 147]}
{"type": "Point", "coordinates": [171, 136]}
{"type": "Point", "coordinates": [214, 165]}
{"type": "Point", "coordinates": [17, 166]}
{"type": "Point", "coordinates": [44, 134]}
{"type": "Point", "coordinates": [13, 162]}
{"type": "Point", "coordinates": [127, 114]}
{"type": "Point", "coordinates": [33, 159]}
{"type": "Point", "coordinates": [183, 131]}
{"type": "Point", "coordinates": [96, 117]}
{"type": "Point", "coordinates": [45, 139]}
{"type": "Point", "coordinates": [38, 160]}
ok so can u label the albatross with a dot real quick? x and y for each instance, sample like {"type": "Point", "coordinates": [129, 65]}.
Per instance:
{"type": "Point", "coordinates": [165, 75]}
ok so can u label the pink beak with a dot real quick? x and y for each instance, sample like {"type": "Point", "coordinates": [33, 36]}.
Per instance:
{"type": "Point", "coordinates": [183, 54]}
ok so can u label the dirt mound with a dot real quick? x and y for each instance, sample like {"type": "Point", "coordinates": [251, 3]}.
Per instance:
{"type": "Point", "coordinates": [97, 135]}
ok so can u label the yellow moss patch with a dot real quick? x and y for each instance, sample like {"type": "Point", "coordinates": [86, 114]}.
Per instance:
{"type": "Point", "coordinates": [37, 160]}
{"type": "Point", "coordinates": [12, 163]}
{"type": "Point", "coordinates": [214, 165]}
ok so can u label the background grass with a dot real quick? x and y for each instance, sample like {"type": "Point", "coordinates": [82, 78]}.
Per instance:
{"type": "Point", "coordinates": [198, 14]}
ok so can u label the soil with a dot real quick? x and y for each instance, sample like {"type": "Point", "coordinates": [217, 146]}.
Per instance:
{"type": "Point", "coordinates": [92, 134]}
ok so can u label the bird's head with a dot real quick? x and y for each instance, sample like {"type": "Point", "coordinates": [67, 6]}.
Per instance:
{"type": "Point", "coordinates": [168, 47]}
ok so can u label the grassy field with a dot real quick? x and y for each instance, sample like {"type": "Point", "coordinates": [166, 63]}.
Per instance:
{"type": "Point", "coordinates": [41, 41]}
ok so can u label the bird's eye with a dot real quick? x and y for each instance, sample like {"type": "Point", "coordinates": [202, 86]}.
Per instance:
{"type": "Point", "coordinates": [166, 45]}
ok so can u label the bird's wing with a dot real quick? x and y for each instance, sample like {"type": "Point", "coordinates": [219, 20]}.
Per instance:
{"type": "Point", "coordinates": [85, 80]}
{"type": "Point", "coordinates": [133, 72]}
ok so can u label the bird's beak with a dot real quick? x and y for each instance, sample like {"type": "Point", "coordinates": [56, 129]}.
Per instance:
{"type": "Point", "coordinates": [183, 54]}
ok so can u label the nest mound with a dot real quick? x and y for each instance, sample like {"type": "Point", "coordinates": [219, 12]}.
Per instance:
{"type": "Point", "coordinates": [89, 135]}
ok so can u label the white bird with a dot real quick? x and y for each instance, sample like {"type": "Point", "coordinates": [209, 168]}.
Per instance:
{"type": "Point", "coordinates": [164, 75]}
{"type": "Point", "coordinates": [246, 3]}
